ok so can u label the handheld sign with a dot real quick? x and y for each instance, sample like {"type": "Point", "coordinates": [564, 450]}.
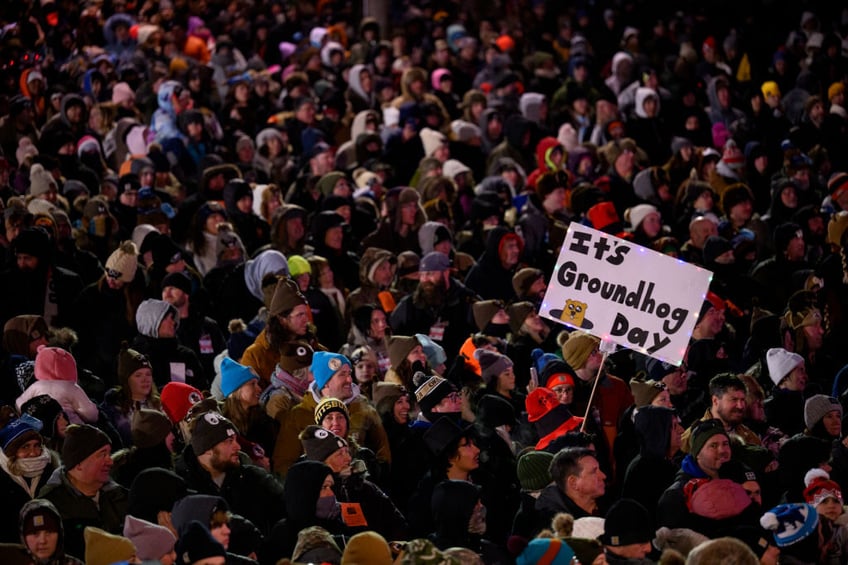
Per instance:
{"type": "Point", "coordinates": [626, 294]}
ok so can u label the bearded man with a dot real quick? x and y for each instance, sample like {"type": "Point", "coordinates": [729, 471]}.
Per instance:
{"type": "Point", "coordinates": [439, 307]}
{"type": "Point", "coordinates": [210, 464]}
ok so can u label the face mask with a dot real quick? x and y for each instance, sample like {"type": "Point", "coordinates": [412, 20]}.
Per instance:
{"type": "Point", "coordinates": [419, 366]}
{"type": "Point", "coordinates": [327, 508]}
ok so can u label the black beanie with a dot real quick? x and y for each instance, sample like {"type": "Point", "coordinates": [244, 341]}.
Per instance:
{"type": "Point", "coordinates": [81, 440]}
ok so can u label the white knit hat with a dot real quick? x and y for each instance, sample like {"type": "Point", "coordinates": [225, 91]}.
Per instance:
{"type": "Point", "coordinates": [432, 140]}
{"type": "Point", "coordinates": [40, 180]}
{"type": "Point", "coordinates": [123, 262]}
{"type": "Point", "coordinates": [637, 214]}
{"type": "Point", "coordinates": [781, 363]}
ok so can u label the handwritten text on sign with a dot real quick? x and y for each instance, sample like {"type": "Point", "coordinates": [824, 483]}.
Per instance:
{"type": "Point", "coordinates": [620, 291]}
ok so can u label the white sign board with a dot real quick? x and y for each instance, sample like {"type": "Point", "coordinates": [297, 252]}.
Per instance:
{"type": "Point", "coordinates": [624, 293]}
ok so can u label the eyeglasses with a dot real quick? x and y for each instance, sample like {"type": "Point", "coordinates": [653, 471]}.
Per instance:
{"type": "Point", "coordinates": [113, 274]}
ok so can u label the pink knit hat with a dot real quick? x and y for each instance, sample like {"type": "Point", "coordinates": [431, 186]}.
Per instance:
{"type": "Point", "coordinates": [55, 364]}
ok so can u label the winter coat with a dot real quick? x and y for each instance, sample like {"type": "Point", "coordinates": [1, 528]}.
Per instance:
{"type": "Point", "coordinates": [380, 512]}
{"type": "Point", "coordinates": [80, 511]}
{"type": "Point", "coordinates": [19, 553]}
{"type": "Point", "coordinates": [75, 402]}
{"type": "Point", "coordinates": [14, 494]}
{"type": "Point", "coordinates": [455, 313]}
{"type": "Point", "coordinates": [366, 428]}
{"type": "Point", "coordinates": [243, 488]}
{"type": "Point", "coordinates": [170, 360]}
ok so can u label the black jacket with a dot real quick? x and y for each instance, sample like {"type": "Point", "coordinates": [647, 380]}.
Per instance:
{"type": "Point", "coordinates": [250, 491]}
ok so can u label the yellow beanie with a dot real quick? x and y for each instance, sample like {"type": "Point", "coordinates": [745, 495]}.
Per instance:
{"type": "Point", "coordinates": [578, 348]}
{"type": "Point", "coordinates": [103, 548]}
{"type": "Point", "coordinates": [770, 88]}
{"type": "Point", "coordinates": [834, 89]}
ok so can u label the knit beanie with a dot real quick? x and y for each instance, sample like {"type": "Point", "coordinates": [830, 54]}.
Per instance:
{"type": "Point", "coordinates": [518, 313]}
{"type": "Point", "coordinates": [492, 364]}
{"type": "Point", "coordinates": [45, 409]}
{"type": "Point", "coordinates": [384, 395]}
{"type": "Point", "coordinates": [287, 297]}
{"type": "Point", "coordinates": [151, 541]}
{"type": "Point", "coordinates": [790, 523]}
{"type": "Point", "coordinates": [151, 313]}
{"type": "Point", "coordinates": [197, 543]}
{"type": "Point", "coordinates": [484, 311]}
{"type": "Point", "coordinates": [234, 375]}
{"type": "Point", "coordinates": [130, 361]}
{"type": "Point", "coordinates": [638, 213]}
{"type": "Point", "coordinates": [780, 363]}
{"type": "Point", "coordinates": [81, 440]}
{"type": "Point", "coordinates": [435, 353]}
{"type": "Point", "coordinates": [177, 399]}
{"type": "Point", "coordinates": [820, 487]}
{"type": "Point", "coordinates": [837, 184]}
{"type": "Point", "coordinates": [149, 428]}
{"type": "Point", "coordinates": [17, 432]}
{"type": "Point", "coordinates": [817, 407]}
{"type": "Point", "coordinates": [328, 405]}
{"type": "Point", "coordinates": [715, 499]}
{"type": "Point", "coordinates": [122, 263]}
{"type": "Point", "coordinates": [546, 550]}
{"type": "Point", "coordinates": [39, 515]}
{"type": "Point", "coordinates": [431, 140]}
{"type": "Point", "coordinates": [318, 443]}
{"type": "Point", "coordinates": [210, 429]}
{"type": "Point", "coordinates": [524, 279]}
{"type": "Point", "coordinates": [295, 355]}
{"type": "Point", "coordinates": [40, 180]}
{"type": "Point", "coordinates": [367, 548]}
{"type": "Point", "coordinates": [325, 364]}
{"type": "Point", "coordinates": [627, 522]}
{"type": "Point", "coordinates": [577, 349]}
{"type": "Point", "coordinates": [55, 364]}
{"type": "Point", "coordinates": [702, 432]}
{"type": "Point", "coordinates": [644, 392]}
{"type": "Point", "coordinates": [555, 373]}
{"type": "Point", "coordinates": [227, 241]}
{"type": "Point", "coordinates": [298, 266]}
{"type": "Point", "coordinates": [177, 280]}
{"type": "Point", "coordinates": [399, 346]}
{"type": "Point", "coordinates": [122, 92]}
{"type": "Point", "coordinates": [103, 548]}
{"type": "Point", "coordinates": [21, 330]}
{"type": "Point", "coordinates": [735, 194]}
{"type": "Point", "coordinates": [430, 390]}
{"type": "Point", "coordinates": [533, 469]}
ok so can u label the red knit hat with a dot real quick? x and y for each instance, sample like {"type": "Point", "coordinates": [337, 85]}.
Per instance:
{"type": "Point", "coordinates": [539, 402]}
{"type": "Point", "coordinates": [820, 487]}
{"type": "Point", "coordinates": [177, 399]}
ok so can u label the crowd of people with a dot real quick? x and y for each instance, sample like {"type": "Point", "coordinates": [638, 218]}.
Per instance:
{"type": "Point", "coordinates": [273, 272]}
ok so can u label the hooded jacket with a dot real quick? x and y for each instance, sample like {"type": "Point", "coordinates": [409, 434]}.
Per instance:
{"type": "Point", "coordinates": [488, 277]}
{"type": "Point", "coordinates": [20, 553]}
{"type": "Point", "coordinates": [164, 122]}
{"type": "Point", "coordinates": [651, 471]}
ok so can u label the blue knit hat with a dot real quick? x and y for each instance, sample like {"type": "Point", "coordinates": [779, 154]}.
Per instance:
{"type": "Point", "coordinates": [554, 551]}
{"type": "Point", "coordinates": [233, 375]}
{"type": "Point", "coordinates": [326, 364]}
{"type": "Point", "coordinates": [790, 523]}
